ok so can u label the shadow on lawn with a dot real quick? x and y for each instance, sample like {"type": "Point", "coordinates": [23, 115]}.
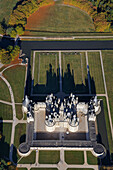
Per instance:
{"type": "Point", "coordinates": [4, 146]}
{"type": "Point", "coordinates": [68, 83]}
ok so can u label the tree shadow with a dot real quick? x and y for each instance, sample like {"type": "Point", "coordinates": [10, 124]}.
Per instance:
{"type": "Point", "coordinates": [3, 24]}
{"type": "Point", "coordinates": [4, 146]}
{"type": "Point", "coordinates": [18, 3]}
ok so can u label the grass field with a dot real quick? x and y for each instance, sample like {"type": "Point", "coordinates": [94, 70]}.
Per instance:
{"type": "Point", "coordinates": [16, 77]}
{"type": "Point", "coordinates": [58, 18]}
{"type": "Point", "coordinates": [107, 125]}
{"type": "Point", "coordinates": [19, 113]}
{"type": "Point", "coordinates": [43, 169]}
{"type": "Point", "coordinates": [96, 72]}
{"type": "Point", "coordinates": [6, 112]}
{"type": "Point", "coordinates": [108, 69]}
{"type": "Point", "coordinates": [4, 91]}
{"type": "Point", "coordinates": [74, 73]}
{"type": "Point", "coordinates": [22, 168]}
{"type": "Point", "coordinates": [74, 157]}
{"type": "Point", "coordinates": [91, 159]}
{"type": "Point", "coordinates": [7, 127]}
{"type": "Point", "coordinates": [45, 73]}
{"type": "Point", "coordinates": [6, 9]}
{"type": "Point", "coordinates": [29, 159]}
{"type": "Point", "coordinates": [20, 131]}
{"type": "Point", "coordinates": [80, 169]}
{"type": "Point", "coordinates": [49, 157]}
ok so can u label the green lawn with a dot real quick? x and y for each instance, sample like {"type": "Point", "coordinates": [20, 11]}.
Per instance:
{"type": "Point", "coordinates": [22, 168]}
{"type": "Point", "coordinates": [43, 169]}
{"type": "Point", "coordinates": [6, 9]}
{"type": "Point", "coordinates": [95, 72]}
{"type": "Point", "coordinates": [19, 113]}
{"type": "Point", "coordinates": [6, 112]}
{"type": "Point", "coordinates": [20, 131]}
{"type": "Point", "coordinates": [107, 124]}
{"type": "Point", "coordinates": [74, 73]}
{"type": "Point", "coordinates": [16, 77]}
{"type": "Point", "coordinates": [29, 159]}
{"type": "Point", "coordinates": [80, 169]}
{"type": "Point", "coordinates": [4, 91]}
{"type": "Point", "coordinates": [49, 157]}
{"type": "Point", "coordinates": [91, 159]}
{"type": "Point", "coordinates": [108, 69]}
{"type": "Point", "coordinates": [45, 74]}
{"type": "Point", "coordinates": [74, 157]}
{"type": "Point", "coordinates": [7, 128]}
{"type": "Point", "coordinates": [58, 18]}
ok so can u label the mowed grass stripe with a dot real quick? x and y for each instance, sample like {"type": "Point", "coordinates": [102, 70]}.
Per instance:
{"type": "Point", "coordinates": [108, 70]}
{"type": "Point", "coordinates": [20, 131]}
{"type": "Point", "coordinates": [7, 128]}
{"type": "Point", "coordinates": [74, 157]}
{"type": "Point", "coordinates": [6, 112]}
{"type": "Point", "coordinates": [46, 73]}
{"type": "Point", "coordinates": [49, 157]}
{"type": "Point", "coordinates": [58, 18]}
{"type": "Point", "coordinates": [4, 91]}
{"type": "Point", "coordinates": [96, 72]}
{"type": "Point", "coordinates": [74, 72]}
{"type": "Point", "coordinates": [43, 64]}
{"type": "Point", "coordinates": [16, 77]}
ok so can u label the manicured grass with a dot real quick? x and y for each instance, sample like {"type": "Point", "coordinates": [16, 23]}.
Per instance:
{"type": "Point", "coordinates": [58, 18]}
{"type": "Point", "coordinates": [6, 9]}
{"type": "Point", "coordinates": [7, 128]}
{"type": "Point", "coordinates": [107, 124]}
{"type": "Point", "coordinates": [80, 169]}
{"type": "Point", "coordinates": [20, 131]}
{"type": "Point", "coordinates": [43, 169]}
{"type": "Point", "coordinates": [74, 73]}
{"type": "Point", "coordinates": [29, 159]}
{"type": "Point", "coordinates": [16, 77]}
{"type": "Point", "coordinates": [6, 112]}
{"type": "Point", "coordinates": [49, 157]}
{"type": "Point", "coordinates": [45, 74]}
{"type": "Point", "coordinates": [4, 91]}
{"type": "Point", "coordinates": [19, 113]}
{"type": "Point", "coordinates": [108, 70]}
{"type": "Point", "coordinates": [91, 159]}
{"type": "Point", "coordinates": [97, 84]}
{"type": "Point", "coordinates": [74, 157]}
{"type": "Point", "coordinates": [22, 168]}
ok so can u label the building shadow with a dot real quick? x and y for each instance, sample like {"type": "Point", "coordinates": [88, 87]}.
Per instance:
{"type": "Point", "coordinates": [102, 136]}
{"type": "Point", "coordinates": [51, 85]}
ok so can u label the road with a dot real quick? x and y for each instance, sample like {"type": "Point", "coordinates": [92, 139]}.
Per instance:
{"type": "Point", "coordinates": [27, 46]}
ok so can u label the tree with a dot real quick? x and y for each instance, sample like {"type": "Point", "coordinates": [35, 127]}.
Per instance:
{"type": "Point", "coordinates": [13, 33]}
{"type": "Point", "coordinates": [9, 30]}
{"type": "Point", "coordinates": [19, 29]}
{"type": "Point", "coordinates": [5, 57]}
{"type": "Point", "coordinates": [10, 48]}
{"type": "Point", "coordinates": [2, 30]}
{"type": "Point", "coordinates": [15, 52]}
